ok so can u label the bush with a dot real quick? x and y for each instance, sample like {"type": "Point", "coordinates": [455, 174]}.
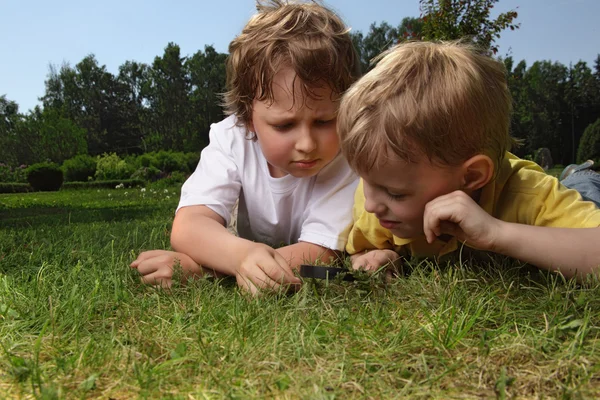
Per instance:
{"type": "Point", "coordinates": [147, 174]}
{"type": "Point", "coordinates": [9, 174]}
{"type": "Point", "coordinates": [589, 146]}
{"type": "Point", "coordinates": [127, 183]}
{"type": "Point", "coordinates": [146, 160]}
{"type": "Point", "coordinates": [79, 168]}
{"type": "Point", "coordinates": [111, 166]}
{"type": "Point", "coordinates": [15, 188]}
{"type": "Point", "coordinates": [45, 176]}
{"type": "Point", "coordinates": [192, 160]}
{"type": "Point", "coordinates": [168, 161]}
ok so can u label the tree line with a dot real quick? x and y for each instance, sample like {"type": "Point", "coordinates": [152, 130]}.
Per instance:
{"type": "Point", "coordinates": [170, 103]}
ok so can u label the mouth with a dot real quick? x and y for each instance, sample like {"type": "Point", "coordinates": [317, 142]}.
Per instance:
{"type": "Point", "coordinates": [305, 164]}
{"type": "Point", "coordinates": [389, 224]}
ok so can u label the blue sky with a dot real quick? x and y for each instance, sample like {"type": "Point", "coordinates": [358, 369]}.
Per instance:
{"type": "Point", "coordinates": [36, 33]}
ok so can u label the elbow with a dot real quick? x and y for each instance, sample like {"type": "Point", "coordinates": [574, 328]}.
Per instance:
{"type": "Point", "coordinates": [177, 235]}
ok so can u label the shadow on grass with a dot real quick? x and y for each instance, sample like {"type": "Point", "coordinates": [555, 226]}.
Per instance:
{"type": "Point", "coordinates": [44, 215]}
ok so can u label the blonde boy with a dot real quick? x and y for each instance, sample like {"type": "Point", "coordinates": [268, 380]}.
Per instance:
{"type": "Point", "coordinates": [428, 132]}
{"type": "Point", "coordinates": [278, 152]}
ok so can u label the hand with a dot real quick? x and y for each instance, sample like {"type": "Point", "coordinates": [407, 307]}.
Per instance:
{"type": "Point", "coordinates": [157, 266]}
{"type": "Point", "coordinates": [264, 268]}
{"type": "Point", "coordinates": [374, 259]}
{"type": "Point", "coordinates": [458, 215]}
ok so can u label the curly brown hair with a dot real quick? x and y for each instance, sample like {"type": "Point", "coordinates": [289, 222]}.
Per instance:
{"type": "Point", "coordinates": [305, 36]}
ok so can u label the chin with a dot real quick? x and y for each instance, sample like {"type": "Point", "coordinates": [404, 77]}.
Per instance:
{"type": "Point", "coordinates": [405, 233]}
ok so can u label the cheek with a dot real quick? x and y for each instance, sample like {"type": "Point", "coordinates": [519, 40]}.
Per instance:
{"type": "Point", "coordinates": [408, 210]}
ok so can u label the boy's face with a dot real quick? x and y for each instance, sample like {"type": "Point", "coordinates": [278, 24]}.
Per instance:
{"type": "Point", "coordinates": [297, 134]}
{"type": "Point", "coordinates": [398, 192]}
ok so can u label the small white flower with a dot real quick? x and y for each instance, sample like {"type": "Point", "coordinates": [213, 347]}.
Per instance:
{"type": "Point", "coordinates": [126, 193]}
{"type": "Point", "coordinates": [109, 195]}
{"type": "Point", "coordinates": [166, 190]}
{"type": "Point", "coordinates": [142, 190]}
{"type": "Point", "coordinates": [168, 197]}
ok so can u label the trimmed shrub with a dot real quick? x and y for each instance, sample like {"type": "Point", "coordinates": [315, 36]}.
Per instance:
{"type": "Point", "coordinates": [147, 173]}
{"type": "Point", "coordinates": [15, 188]}
{"type": "Point", "coordinates": [79, 168]}
{"type": "Point", "coordinates": [46, 177]}
{"type": "Point", "coordinates": [111, 167]}
{"type": "Point", "coordinates": [127, 183]}
{"type": "Point", "coordinates": [168, 161]}
{"type": "Point", "coordinates": [589, 146]}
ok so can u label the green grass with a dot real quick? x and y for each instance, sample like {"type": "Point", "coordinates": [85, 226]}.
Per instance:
{"type": "Point", "coordinates": [76, 323]}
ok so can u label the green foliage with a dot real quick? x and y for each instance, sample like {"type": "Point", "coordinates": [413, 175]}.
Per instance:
{"type": "Point", "coordinates": [168, 161]}
{"type": "Point", "coordinates": [45, 176]}
{"type": "Point", "coordinates": [114, 184]}
{"type": "Point", "coordinates": [48, 135]}
{"type": "Point", "coordinates": [458, 19]}
{"type": "Point", "coordinates": [15, 187]}
{"type": "Point", "coordinates": [383, 36]}
{"type": "Point", "coordinates": [148, 174]}
{"type": "Point", "coordinates": [79, 168]}
{"type": "Point", "coordinates": [192, 159]}
{"type": "Point", "coordinates": [589, 147]}
{"type": "Point", "coordinates": [9, 174]}
{"type": "Point", "coordinates": [111, 166]}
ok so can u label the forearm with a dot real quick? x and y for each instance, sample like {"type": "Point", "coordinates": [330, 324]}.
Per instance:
{"type": "Point", "coordinates": [206, 240]}
{"type": "Point", "coordinates": [306, 253]}
{"type": "Point", "coordinates": [573, 252]}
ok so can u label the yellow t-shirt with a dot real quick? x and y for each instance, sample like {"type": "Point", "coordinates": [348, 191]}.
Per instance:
{"type": "Point", "coordinates": [522, 193]}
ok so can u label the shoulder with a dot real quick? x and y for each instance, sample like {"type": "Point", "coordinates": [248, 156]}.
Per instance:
{"type": "Point", "coordinates": [229, 138]}
{"type": "Point", "coordinates": [522, 176]}
{"type": "Point", "coordinates": [227, 131]}
{"type": "Point", "coordinates": [337, 170]}
{"type": "Point", "coordinates": [526, 194]}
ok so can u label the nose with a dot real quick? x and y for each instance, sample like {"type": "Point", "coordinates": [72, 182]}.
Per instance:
{"type": "Point", "coordinates": [306, 142]}
{"type": "Point", "coordinates": [372, 203]}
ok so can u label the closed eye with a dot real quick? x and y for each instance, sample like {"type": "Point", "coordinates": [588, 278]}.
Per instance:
{"type": "Point", "coordinates": [324, 122]}
{"type": "Point", "coordinates": [396, 197]}
{"type": "Point", "coordinates": [283, 127]}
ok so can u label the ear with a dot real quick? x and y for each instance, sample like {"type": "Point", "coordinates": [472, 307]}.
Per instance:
{"type": "Point", "coordinates": [477, 172]}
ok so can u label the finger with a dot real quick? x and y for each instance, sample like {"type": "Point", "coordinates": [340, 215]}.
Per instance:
{"type": "Point", "coordinates": [271, 277]}
{"type": "Point", "coordinates": [143, 256]}
{"type": "Point", "coordinates": [279, 270]}
{"type": "Point", "coordinates": [156, 279]}
{"type": "Point", "coordinates": [245, 284]}
{"type": "Point", "coordinates": [148, 267]}
{"type": "Point", "coordinates": [257, 283]}
{"type": "Point", "coordinates": [360, 262]}
{"type": "Point", "coordinates": [443, 212]}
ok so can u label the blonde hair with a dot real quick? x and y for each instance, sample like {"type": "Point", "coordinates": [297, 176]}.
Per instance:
{"type": "Point", "coordinates": [446, 101]}
{"type": "Point", "coordinates": [307, 37]}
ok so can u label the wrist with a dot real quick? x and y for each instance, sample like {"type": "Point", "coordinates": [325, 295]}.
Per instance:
{"type": "Point", "coordinates": [503, 239]}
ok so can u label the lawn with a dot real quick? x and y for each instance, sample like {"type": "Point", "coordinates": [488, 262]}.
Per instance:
{"type": "Point", "coordinates": [76, 323]}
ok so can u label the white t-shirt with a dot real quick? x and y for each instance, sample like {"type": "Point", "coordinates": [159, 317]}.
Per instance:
{"type": "Point", "coordinates": [275, 211]}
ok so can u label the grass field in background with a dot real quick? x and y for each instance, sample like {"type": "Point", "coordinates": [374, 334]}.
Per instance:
{"type": "Point", "coordinates": [76, 323]}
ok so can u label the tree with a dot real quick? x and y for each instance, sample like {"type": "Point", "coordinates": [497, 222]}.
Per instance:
{"type": "Point", "coordinates": [383, 36]}
{"type": "Point", "coordinates": [46, 135]}
{"type": "Point", "coordinates": [458, 19]}
{"type": "Point", "coordinates": [168, 101]}
{"type": "Point", "coordinates": [9, 118]}
{"type": "Point", "coordinates": [207, 81]}
{"type": "Point", "coordinates": [589, 148]}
